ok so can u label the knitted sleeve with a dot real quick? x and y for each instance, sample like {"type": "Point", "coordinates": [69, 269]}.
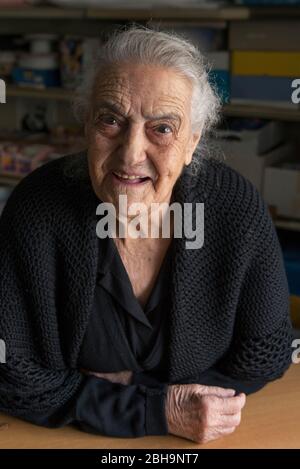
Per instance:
{"type": "Point", "coordinates": [36, 383]}
{"type": "Point", "coordinates": [52, 398]}
{"type": "Point", "coordinates": [26, 387]}
{"type": "Point", "coordinates": [261, 345]}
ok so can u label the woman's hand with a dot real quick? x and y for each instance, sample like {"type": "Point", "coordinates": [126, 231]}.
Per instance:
{"type": "Point", "coordinates": [122, 377]}
{"type": "Point", "coordinates": [202, 413]}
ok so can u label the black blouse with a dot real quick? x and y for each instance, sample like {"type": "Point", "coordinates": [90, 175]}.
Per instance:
{"type": "Point", "coordinates": [121, 335]}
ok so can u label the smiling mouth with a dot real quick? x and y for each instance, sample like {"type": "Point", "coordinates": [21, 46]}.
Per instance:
{"type": "Point", "coordinates": [130, 179]}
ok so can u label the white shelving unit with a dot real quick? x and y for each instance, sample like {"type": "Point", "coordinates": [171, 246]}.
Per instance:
{"type": "Point", "coordinates": [286, 224]}
{"type": "Point", "coordinates": [58, 94]}
{"type": "Point", "coordinates": [12, 19]}
{"type": "Point", "coordinates": [234, 110]}
{"type": "Point", "coordinates": [9, 180]}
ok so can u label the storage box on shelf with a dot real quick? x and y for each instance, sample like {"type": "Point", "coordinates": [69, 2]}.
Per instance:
{"type": "Point", "coordinates": [250, 151]}
{"type": "Point", "coordinates": [264, 77]}
{"type": "Point", "coordinates": [53, 61]}
{"type": "Point", "coordinates": [282, 188]}
{"type": "Point", "coordinates": [21, 153]}
{"type": "Point", "coordinates": [274, 35]}
{"type": "Point", "coordinates": [220, 73]}
{"type": "Point", "coordinates": [19, 159]}
{"type": "Point", "coordinates": [265, 62]}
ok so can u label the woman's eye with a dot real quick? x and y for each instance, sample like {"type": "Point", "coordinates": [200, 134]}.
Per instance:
{"type": "Point", "coordinates": [164, 129]}
{"type": "Point", "coordinates": [108, 120]}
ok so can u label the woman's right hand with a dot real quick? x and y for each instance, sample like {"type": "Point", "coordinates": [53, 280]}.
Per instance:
{"type": "Point", "coordinates": [202, 413]}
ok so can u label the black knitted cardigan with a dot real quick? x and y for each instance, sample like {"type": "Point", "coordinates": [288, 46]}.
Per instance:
{"type": "Point", "coordinates": [229, 305]}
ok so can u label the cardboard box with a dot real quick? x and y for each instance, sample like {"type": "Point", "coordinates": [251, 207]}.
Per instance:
{"type": "Point", "coordinates": [249, 152]}
{"type": "Point", "coordinates": [265, 35]}
{"type": "Point", "coordinates": [282, 190]}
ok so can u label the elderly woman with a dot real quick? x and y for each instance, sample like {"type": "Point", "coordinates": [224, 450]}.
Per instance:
{"type": "Point", "coordinates": [138, 335]}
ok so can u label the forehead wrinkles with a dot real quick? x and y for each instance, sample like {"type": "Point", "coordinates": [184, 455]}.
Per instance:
{"type": "Point", "coordinates": [111, 85]}
{"type": "Point", "coordinates": [112, 79]}
{"type": "Point", "coordinates": [175, 103]}
{"type": "Point", "coordinates": [121, 90]}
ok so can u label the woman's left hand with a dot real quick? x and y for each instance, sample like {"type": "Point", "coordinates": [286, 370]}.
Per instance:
{"type": "Point", "coordinates": [122, 377]}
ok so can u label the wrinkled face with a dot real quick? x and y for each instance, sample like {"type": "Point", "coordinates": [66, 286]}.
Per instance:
{"type": "Point", "coordinates": [139, 133]}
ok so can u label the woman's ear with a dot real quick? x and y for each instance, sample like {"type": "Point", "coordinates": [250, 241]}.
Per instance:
{"type": "Point", "coordinates": [194, 140]}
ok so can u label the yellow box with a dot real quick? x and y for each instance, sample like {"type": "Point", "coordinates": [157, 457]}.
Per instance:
{"type": "Point", "coordinates": [278, 64]}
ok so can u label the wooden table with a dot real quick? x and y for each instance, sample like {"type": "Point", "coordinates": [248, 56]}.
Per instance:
{"type": "Point", "coordinates": [270, 420]}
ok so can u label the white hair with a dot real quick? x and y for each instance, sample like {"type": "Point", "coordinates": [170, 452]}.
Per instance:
{"type": "Point", "coordinates": [140, 44]}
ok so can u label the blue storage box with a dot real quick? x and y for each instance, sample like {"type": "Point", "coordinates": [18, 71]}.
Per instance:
{"type": "Point", "coordinates": [290, 244]}
{"type": "Point", "coordinates": [292, 267]}
{"type": "Point", "coordinates": [220, 79]}
{"type": "Point", "coordinates": [35, 77]}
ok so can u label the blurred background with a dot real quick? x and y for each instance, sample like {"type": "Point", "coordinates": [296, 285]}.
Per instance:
{"type": "Point", "coordinates": [252, 46]}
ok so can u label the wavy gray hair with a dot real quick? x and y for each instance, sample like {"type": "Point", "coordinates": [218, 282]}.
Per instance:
{"type": "Point", "coordinates": [140, 44]}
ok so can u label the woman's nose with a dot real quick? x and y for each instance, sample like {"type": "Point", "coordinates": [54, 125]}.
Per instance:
{"type": "Point", "coordinates": [133, 148]}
